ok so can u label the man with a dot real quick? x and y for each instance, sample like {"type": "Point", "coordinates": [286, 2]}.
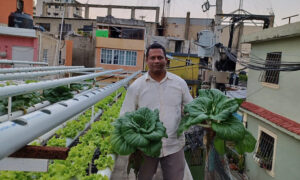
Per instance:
{"type": "Point", "coordinates": [167, 92]}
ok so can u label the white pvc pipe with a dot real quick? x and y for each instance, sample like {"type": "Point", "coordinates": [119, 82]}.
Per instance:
{"type": "Point", "coordinates": [24, 75]}
{"type": "Point", "coordinates": [13, 90]}
{"type": "Point", "coordinates": [35, 107]}
{"type": "Point", "coordinates": [6, 61]}
{"type": "Point", "coordinates": [29, 69]}
{"type": "Point", "coordinates": [16, 114]}
{"type": "Point", "coordinates": [17, 133]}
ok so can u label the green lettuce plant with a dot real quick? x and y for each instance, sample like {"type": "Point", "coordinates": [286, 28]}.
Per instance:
{"type": "Point", "coordinates": [214, 111]}
{"type": "Point", "coordinates": [138, 130]}
{"type": "Point", "coordinates": [137, 133]}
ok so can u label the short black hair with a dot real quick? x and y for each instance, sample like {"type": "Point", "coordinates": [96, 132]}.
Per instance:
{"type": "Point", "coordinates": [155, 46]}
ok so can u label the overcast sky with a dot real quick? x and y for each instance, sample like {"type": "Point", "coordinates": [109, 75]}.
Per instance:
{"type": "Point", "coordinates": [179, 8]}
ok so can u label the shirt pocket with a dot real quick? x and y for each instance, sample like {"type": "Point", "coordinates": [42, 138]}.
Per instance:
{"type": "Point", "coordinates": [172, 96]}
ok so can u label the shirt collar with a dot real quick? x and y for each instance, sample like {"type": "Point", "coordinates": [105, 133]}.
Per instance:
{"type": "Point", "coordinates": [168, 76]}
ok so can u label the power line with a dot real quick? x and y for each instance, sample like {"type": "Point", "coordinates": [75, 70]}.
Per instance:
{"type": "Point", "coordinates": [262, 66]}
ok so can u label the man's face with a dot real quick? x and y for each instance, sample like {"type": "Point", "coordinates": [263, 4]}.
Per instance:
{"type": "Point", "coordinates": [156, 61]}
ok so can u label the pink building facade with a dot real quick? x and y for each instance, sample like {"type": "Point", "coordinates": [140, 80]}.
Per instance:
{"type": "Point", "coordinates": [18, 44]}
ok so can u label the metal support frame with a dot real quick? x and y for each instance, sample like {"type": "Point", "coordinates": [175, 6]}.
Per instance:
{"type": "Point", "coordinates": [8, 91]}
{"type": "Point", "coordinates": [29, 69]}
{"type": "Point", "coordinates": [26, 75]}
{"type": "Point", "coordinates": [17, 133]}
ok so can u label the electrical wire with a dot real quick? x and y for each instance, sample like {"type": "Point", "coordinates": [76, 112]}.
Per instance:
{"type": "Point", "coordinates": [260, 66]}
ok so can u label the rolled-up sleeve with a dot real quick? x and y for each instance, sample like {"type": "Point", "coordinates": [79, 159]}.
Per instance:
{"type": "Point", "coordinates": [186, 98]}
{"type": "Point", "coordinates": [130, 101]}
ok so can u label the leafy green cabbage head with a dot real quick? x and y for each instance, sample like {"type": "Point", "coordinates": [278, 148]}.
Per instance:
{"type": "Point", "coordinates": [138, 130]}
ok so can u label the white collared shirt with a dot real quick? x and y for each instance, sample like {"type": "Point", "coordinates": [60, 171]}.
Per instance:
{"type": "Point", "coordinates": [168, 96]}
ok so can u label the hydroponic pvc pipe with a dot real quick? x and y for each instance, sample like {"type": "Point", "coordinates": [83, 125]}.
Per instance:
{"type": "Point", "coordinates": [5, 61]}
{"type": "Point", "coordinates": [29, 69]}
{"type": "Point", "coordinates": [35, 107]}
{"type": "Point", "coordinates": [15, 90]}
{"type": "Point", "coordinates": [17, 133]}
{"type": "Point", "coordinates": [25, 75]}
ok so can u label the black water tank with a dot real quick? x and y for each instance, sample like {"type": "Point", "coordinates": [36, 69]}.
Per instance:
{"type": "Point", "coordinates": [20, 20]}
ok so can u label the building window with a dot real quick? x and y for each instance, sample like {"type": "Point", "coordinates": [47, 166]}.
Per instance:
{"type": "Point", "coordinates": [188, 62]}
{"type": "Point", "coordinates": [49, 14]}
{"type": "Point", "coordinates": [46, 26]}
{"type": "Point", "coordinates": [178, 45]}
{"type": "Point", "coordinates": [55, 14]}
{"type": "Point", "coordinates": [118, 57]}
{"type": "Point", "coordinates": [273, 61]}
{"type": "Point", "coordinates": [66, 27]}
{"type": "Point", "coordinates": [124, 32]}
{"type": "Point", "coordinates": [265, 151]}
{"type": "Point", "coordinates": [45, 55]}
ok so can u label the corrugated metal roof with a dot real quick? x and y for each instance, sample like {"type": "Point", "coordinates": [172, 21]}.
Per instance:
{"type": "Point", "coordinates": [11, 31]}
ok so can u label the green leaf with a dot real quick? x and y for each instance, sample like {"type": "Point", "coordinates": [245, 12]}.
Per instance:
{"type": "Point", "coordinates": [224, 110]}
{"type": "Point", "coordinates": [232, 129]}
{"type": "Point", "coordinates": [158, 133]}
{"type": "Point", "coordinates": [197, 120]}
{"type": "Point", "coordinates": [138, 129]}
{"type": "Point", "coordinates": [120, 146]}
{"type": "Point", "coordinates": [219, 145]}
{"type": "Point", "coordinates": [153, 149]}
{"type": "Point", "coordinates": [135, 139]}
{"type": "Point", "coordinates": [247, 144]}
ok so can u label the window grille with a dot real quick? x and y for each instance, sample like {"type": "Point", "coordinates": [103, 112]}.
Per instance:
{"type": "Point", "coordinates": [45, 55]}
{"type": "Point", "coordinates": [118, 57]}
{"type": "Point", "coordinates": [273, 61]}
{"type": "Point", "coordinates": [188, 62]}
{"type": "Point", "coordinates": [265, 150]}
{"type": "Point", "coordinates": [66, 27]}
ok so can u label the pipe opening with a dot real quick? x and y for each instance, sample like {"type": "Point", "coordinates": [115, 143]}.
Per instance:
{"type": "Point", "coordinates": [20, 122]}
{"type": "Point", "coordinates": [46, 111]}
{"type": "Point", "coordinates": [75, 99]}
{"type": "Point", "coordinates": [63, 104]}
{"type": "Point", "coordinates": [86, 95]}
{"type": "Point", "coordinates": [93, 93]}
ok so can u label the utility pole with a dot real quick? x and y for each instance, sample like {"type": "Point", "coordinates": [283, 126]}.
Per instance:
{"type": "Point", "coordinates": [217, 32]}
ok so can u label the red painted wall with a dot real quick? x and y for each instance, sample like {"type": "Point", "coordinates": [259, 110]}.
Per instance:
{"type": "Point", "coordinates": [7, 42]}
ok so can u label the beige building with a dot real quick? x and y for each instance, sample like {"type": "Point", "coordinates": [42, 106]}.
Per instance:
{"type": "Point", "coordinates": [57, 10]}
{"type": "Point", "coordinates": [71, 25]}
{"type": "Point", "coordinates": [48, 48]}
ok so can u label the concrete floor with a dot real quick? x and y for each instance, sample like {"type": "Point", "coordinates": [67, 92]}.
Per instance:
{"type": "Point", "coordinates": [120, 171]}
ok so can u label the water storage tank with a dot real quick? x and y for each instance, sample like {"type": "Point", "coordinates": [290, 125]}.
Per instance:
{"type": "Point", "coordinates": [20, 20]}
